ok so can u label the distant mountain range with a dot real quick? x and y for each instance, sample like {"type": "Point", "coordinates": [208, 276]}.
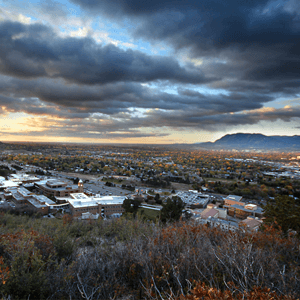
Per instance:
{"type": "Point", "coordinates": [254, 141]}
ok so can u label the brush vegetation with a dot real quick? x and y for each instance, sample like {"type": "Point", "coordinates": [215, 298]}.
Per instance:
{"type": "Point", "coordinates": [129, 258]}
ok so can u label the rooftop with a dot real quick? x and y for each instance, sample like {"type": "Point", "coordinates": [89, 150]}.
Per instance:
{"type": "Point", "coordinates": [83, 203]}
{"type": "Point", "coordinates": [251, 223]}
{"type": "Point", "coordinates": [258, 210]}
{"type": "Point", "coordinates": [8, 184]}
{"type": "Point", "coordinates": [36, 203]}
{"type": "Point", "coordinates": [82, 200]}
{"type": "Point", "coordinates": [234, 197]}
{"type": "Point", "coordinates": [24, 192]}
{"type": "Point", "coordinates": [79, 196]}
{"type": "Point", "coordinates": [209, 213]}
{"type": "Point", "coordinates": [191, 198]}
{"type": "Point", "coordinates": [51, 184]}
{"type": "Point", "coordinates": [42, 198]}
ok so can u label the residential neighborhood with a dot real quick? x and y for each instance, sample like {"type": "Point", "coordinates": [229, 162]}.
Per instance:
{"type": "Point", "coordinates": [217, 188]}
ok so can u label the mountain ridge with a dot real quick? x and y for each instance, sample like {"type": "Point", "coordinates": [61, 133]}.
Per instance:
{"type": "Point", "coordinates": [254, 141]}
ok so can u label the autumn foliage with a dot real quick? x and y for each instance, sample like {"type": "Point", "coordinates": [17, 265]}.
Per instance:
{"type": "Point", "coordinates": [204, 292]}
{"type": "Point", "coordinates": [132, 259]}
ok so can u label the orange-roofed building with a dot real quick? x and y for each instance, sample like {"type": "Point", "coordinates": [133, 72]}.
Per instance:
{"type": "Point", "coordinates": [209, 213]}
{"type": "Point", "coordinates": [233, 200]}
{"type": "Point", "coordinates": [251, 223]}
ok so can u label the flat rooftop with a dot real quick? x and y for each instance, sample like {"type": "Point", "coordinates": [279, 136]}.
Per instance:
{"type": "Point", "coordinates": [36, 203]}
{"type": "Point", "coordinates": [42, 198]}
{"type": "Point", "coordinates": [21, 176]}
{"type": "Point", "coordinates": [24, 192]}
{"type": "Point", "coordinates": [79, 196]}
{"type": "Point", "coordinates": [55, 182]}
{"type": "Point", "coordinates": [234, 198]}
{"type": "Point", "coordinates": [110, 200]}
{"type": "Point", "coordinates": [259, 210]}
{"type": "Point", "coordinates": [52, 184]}
{"type": "Point", "coordinates": [82, 203]}
{"type": "Point", "coordinates": [81, 200]}
{"type": "Point", "coordinates": [8, 184]}
{"type": "Point", "coordinates": [191, 198]}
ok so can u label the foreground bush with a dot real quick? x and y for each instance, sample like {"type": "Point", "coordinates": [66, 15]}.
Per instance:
{"type": "Point", "coordinates": [65, 259]}
{"type": "Point", "coordinates": [204, 292]}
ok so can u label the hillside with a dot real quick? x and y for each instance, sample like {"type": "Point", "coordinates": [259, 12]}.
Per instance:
{"type": "Point", "coordinates": [254, 141]}
{"type": "Point", "coordinates": [132, 259]}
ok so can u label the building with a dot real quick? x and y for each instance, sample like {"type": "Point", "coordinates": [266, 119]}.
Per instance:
{"type": "Point", "coordinates": [56, 188]}
{"type": "Point", "coordinates": [209, 213]}
{"type": "Point", "coordinates": [213, 211]}
{"type": "Point", "coordinates": [238, 209]}
{"type": "Point", "coordinates": [23, 178]}
{"type": "Point", "coordinates": [251, 224]}
{"type": "Point", "coordinates": [88, 215]}
{"type": "Point", "coordinates": [40, 204]}
{"type": "Point", "coordinates": [4, 184]}
{"type": "Point", "coordinates": [80, 204]}
{"type": "Point", "coordinates": [244, 211]}
{"type": "Point", "coordinates": [28, 200]}
{"type": "Point", "coordinates": [193, 199]}
{"type": "Point", "coordinates": [20, 195]}
{"type": "Point", "coordinates": [107, 206]}
{"type": "Point", "coordinates": [232, 200]}
{"type": "Point", "coordinates": [219, 223]}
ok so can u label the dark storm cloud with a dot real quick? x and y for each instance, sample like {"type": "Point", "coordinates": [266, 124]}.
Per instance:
{"type": "Point", "coordinates": [34, 106]}
{"type": "Point", "coordinates": [197, 120]}
{"type": "Point", "coordinates": [122, 124]}
{"type": "Point", "coordinates": [155, 119]}
{"type": "Point", "coordinates": [36, 51]}
{"type": "Point", "coordinates": [206, 24]}
{"type": "Point", "coordinates": [248, 50]}
{"type": "Point", "coordinates": [191, 119]}
{"type": "Point", "coordinates": [230, 102]}
{"type": "Point", "coordinates": [54, 97]}
{"type": "Point", "coordinates": [253, 40]}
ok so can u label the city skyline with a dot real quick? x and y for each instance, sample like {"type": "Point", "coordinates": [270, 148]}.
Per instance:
{"type": "Point", "coordinates": [157, 72]}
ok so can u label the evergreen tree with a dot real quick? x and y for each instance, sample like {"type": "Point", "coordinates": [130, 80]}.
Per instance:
{"type": "Point", "coordinates": [285, 211]}
{"type": "Point", "coordinates": [172, 209]}
{"type": "Point", "coordinates": [131, 206]}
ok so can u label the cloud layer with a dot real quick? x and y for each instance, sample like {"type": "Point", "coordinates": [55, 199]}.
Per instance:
{"type": "Point", "coordinates": [227, 63]}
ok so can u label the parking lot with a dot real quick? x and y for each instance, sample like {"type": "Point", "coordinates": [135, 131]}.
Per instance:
{"type": "Point", "coordinates": [99, 187]}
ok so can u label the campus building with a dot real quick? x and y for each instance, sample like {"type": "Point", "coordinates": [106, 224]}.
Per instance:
{"type": "Point", "coordinates": [251, 224]}
{"type": "Point", "coordinates": [28, 200]}
{"type": "Point", "coordinates": [23, 178]}
{"type": "Point", "coordinates": [213, 211]}
{"type": "Point", "coordinates": [193, 199]}
{"type": "Point", "coordinates": [107, 206]}
{"type": "Point", "coordinates": [237, 209]}
{"type": "Point", "coordinates": [233, 200]}
{"type": "Point", "coordinates": [4, 184]}
{"type": "Point", "coordinates": [57, 188]}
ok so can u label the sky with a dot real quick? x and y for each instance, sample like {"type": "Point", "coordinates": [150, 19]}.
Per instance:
{"type": "Point", "coordinates": [131, 71]}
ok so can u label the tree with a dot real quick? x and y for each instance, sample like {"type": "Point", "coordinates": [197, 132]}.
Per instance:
{"type": "Point", "coordinates": [172, 210]}
{"type": "Point", "coordinates": [131, 206]}
{"type": "Point", "coordinates": [285, 211]}
{"type": "Point", "coordinates": [28, 257]}
{"type": "Point", "coordinates": [158, 201]}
